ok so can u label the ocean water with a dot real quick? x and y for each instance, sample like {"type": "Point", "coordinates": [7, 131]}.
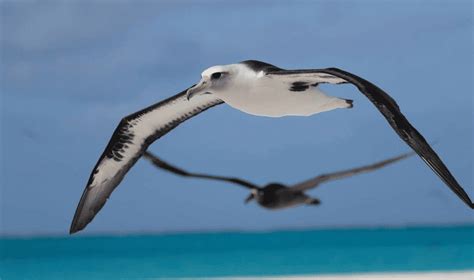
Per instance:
{"type": "Point", "coordinates": [239, 254]}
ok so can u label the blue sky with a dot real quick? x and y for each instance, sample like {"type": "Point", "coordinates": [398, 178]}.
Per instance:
{"type": "Point", "coordinates": [70, 71]}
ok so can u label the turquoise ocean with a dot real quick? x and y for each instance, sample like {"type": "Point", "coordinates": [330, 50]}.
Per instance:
{"type": "Point", "coordinates": [239, 254]}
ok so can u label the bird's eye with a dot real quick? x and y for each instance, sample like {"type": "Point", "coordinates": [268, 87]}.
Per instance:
{"type": "Point", "coordinates": [216, 75]}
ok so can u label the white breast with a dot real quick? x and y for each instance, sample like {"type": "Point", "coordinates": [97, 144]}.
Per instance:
{"type": "Point", "coordinates": [257, 94]}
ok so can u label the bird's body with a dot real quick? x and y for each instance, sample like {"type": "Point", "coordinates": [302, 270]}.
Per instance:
{"type": "Point", "coordinates": [278, 196]}
{"type": "Point", "coordinates": [254, 87]}
{"type": "Point", "coordinates": [253, 92]}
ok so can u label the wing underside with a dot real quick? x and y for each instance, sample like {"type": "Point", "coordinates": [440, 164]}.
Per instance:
{"type": "Point", "coordinates": [131, 138]}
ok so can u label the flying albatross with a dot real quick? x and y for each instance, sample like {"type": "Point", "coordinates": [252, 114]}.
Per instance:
{"type": "Point", "coordinates": [277, 195]}
{"type": "Point", "coordinates": [251, 86]}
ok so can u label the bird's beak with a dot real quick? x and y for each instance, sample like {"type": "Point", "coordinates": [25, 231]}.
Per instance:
{"type": "Point", "coordinates": [197, 89]}
{"type": "Point", "coordinates": [249, 198]}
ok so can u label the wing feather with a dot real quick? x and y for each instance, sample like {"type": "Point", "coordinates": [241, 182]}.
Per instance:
{"type": "Point", "coordinates": [390, 110]}
{"type": "Point", "coordinates": [129, 141]}
{"type": "Point", "coordinates": [159, 163]}
{"type": "Point", "coordinates": [316, 181]}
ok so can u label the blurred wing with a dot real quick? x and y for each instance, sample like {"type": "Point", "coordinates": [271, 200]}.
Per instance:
{"type": "Point", "coordinates": [181, 172]}
{"type": "Point", "coordinates": [131, 138]}
{"type": "Point", "coordinates": [316, 181]}
{"type": "Point", "coordinates": [389, 109]}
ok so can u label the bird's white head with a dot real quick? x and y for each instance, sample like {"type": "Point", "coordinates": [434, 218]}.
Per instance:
{"type": "Point", "coordinates": [214, 80]}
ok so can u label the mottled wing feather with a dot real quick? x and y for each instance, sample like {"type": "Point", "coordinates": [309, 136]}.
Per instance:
{"type": "Point", "coordinates": [389, 109]}
{"type": "Point", "coordinates": [318, 180]}
{"type": "Point", "coordinates": [130, 139]}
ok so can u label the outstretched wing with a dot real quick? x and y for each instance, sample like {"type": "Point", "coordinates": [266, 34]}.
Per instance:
{"type": "Point", "coordinates": [389, 109]}
{"type": "Point", "coordinates": [181, 172]}
{"type": "Point", "coordinates": [131, 138]}
{"type": "Point", "coordinates": [316, 181]}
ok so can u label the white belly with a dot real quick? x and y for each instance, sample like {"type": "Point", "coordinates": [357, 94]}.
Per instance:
{"type": "Point", "coordinates": [270, 99]}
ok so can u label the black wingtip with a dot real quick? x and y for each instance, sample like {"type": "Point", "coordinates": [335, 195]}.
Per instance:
{"type": "Point", "coordinates": [72, 231]}
{"type": "Point", "coordinates": [75, 227]}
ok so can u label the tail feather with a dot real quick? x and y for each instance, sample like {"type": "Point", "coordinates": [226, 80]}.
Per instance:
{"type": "Point", "coordinates": [313, 201]}
{"type": "Point", "coordinates": [350, 103]}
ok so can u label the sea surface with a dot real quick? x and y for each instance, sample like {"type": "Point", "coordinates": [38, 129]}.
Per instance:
{"type": "Point", "coordinates": [239, 254]}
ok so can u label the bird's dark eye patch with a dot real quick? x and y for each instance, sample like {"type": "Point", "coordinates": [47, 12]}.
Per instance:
{"type": "Point", "coordinates": [216, 75]}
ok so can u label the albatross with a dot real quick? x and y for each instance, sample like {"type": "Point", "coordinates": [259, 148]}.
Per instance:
{"type": "Point", "coordinates": [253, 87]}
{"type": "Point", "coordinates": [278, 195]}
